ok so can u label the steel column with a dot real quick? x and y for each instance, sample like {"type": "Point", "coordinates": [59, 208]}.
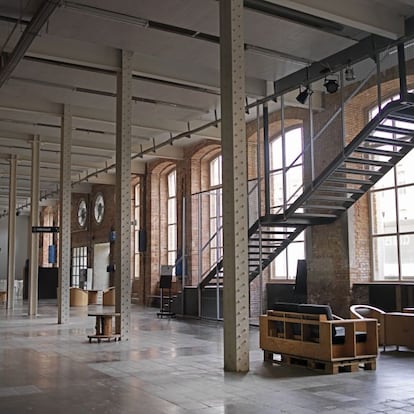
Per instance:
{"type": "Point", "coordinates": [34, 220]}
{"type": "Point", "coordinates": [11, 242]}
{"type": "Point", "coordinates": [64, 213]}
{"type": "Point", "coordinates": [235, 194]}
{"type": "Point", "coordinates": [402, 71]}
{"type": "Point", "coordinates": [123, 196]}
{"type": "Point", "coordinates": [266, 153]}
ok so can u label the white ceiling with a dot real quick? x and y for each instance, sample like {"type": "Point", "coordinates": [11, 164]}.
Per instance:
{"type": "Point", "coordinates": [74, 58]}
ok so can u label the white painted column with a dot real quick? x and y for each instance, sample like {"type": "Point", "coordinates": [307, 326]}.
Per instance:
{"type": "Point", "coordinates": [235, 195]}
{"type": "Point", "coordinates": [34, 221]}
{"type": "Point", "coordinates": [123, 196]}
{"type": "Point", "coordinates": [11, 242]}
{"type": "Point", "coordinates": [64, 215]}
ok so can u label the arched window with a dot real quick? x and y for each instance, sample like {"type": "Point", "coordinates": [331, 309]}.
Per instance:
{"type": "Point", "coordinates": [286, 176]}
{"type": "Point", "coordinates": [136, 228]}
{"type": "Point", "coordinates": [392, 215]}
{"type": "Point", "coordinates": [216, 210]}
{"type": "Point", "coordinates": [172, 217]}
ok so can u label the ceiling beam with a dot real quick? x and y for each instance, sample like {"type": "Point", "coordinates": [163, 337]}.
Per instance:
{"type": "Point", "coordinates": [358, 14]}
{"type": "Point", "coordinates": [26, 39]}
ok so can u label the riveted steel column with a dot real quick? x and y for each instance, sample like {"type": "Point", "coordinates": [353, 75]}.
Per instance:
{"type": "Point", "coordinates": [11, 250]}
{"type": "Point", "coordinates": [64, 215]}
{"type": "Point", "coordinates": [123, 196]}
{"type": "Point", "coordinates": [235, 221]}
{"type": "Point", "coordinates": [34, 221]}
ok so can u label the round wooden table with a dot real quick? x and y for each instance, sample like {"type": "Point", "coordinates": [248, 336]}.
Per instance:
{"type": "Point", "coordinates": [103, 326]}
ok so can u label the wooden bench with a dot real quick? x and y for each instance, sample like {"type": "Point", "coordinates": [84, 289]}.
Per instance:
{"type": "Point", "coordinates": [319, 342]}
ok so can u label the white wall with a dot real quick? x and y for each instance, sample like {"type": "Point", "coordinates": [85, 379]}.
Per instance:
{"type": "Point", "coordinates": [22, 227]}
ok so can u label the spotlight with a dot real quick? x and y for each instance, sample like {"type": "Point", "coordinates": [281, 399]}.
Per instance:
{"type": "Point", "coordinates": [349, 73]}
{"type": "Point", "coordinates": [303, 95]}
{"type": "Point", "coordinates": [331, 85]}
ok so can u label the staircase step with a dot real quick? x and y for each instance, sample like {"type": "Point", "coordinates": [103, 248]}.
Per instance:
{"type": "Point", "coordinates": [322, 197]}
{"type": "Point", "coordinates": [383, 153]}
{"type": "Point", "coordinates": [357, 171]}
{"type": "Point", "coordinates": [403, 117]}
{"type": "Point", "coordinates": [394, 130]}
{"type": "Point", "coordinates": [393, 142]}
{"type": "Point", "coordinates": [369, 161]}
{"type": "Point", "coordinates": [345, 180]}
{"type": "Point", "coordinates": [325, 207]}
{"type": "Point", "coordinates": [341, 190]}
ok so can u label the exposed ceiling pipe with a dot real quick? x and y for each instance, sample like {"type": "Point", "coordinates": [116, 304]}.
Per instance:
{"type": "Point", "coordinates": [26, 39]}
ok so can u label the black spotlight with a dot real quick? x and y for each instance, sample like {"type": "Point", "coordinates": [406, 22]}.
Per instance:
{"type": "Point", "coordinates": [331, 85]}
{"type": "Point", "coordinates": [303, 96]}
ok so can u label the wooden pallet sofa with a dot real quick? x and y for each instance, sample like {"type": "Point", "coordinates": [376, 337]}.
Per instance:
{"type": "Point", "coordinates": [311, 336]}
{"type": "Point", "coordinates": [395, 328]}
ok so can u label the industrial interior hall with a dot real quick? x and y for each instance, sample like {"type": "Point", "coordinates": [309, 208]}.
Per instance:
{"type": "Point", "coordinates": [234, 175]}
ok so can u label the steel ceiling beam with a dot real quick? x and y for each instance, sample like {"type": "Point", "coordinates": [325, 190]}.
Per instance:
{"type": "Point", "coordinates": [26, 39]}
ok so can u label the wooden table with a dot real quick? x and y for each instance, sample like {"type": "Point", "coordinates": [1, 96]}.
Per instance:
{"type": "Point", "coordinates": [103, 326]}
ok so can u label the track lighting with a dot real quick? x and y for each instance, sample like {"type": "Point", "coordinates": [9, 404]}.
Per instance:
{"type": "Point", "coordinates": [303, 95]}
{"type": "Point", "coordinates": [349, 73]}
{"type": "Point", "coordinates": [331, 85]}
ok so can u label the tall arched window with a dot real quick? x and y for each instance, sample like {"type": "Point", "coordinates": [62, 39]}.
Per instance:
{"type": "Point", "coordinates": [136, 228]}
{"type": "Point", "coordinates": [286, 177]}
{"type": "Point", "coordinates": [172, 217]}
{"type": "Point", "coordinates": [216, 211]}
{"type": "Point", "coordinates": [392, 215]}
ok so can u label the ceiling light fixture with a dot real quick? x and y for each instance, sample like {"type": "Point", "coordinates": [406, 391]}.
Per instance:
{"type": "Point", "coordinates": [349, 73]}
{"type": "Point", "coordinates": [331, 85]}
{"type": "Point", "coordinates": [303, 95]}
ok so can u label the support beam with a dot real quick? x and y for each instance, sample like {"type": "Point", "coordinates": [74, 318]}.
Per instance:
{"type": "Point", "coordinates": [123, 196]}
{"type": "Point", "coordinates": [34, 221]}
{"type": "Point", "coordinates": [11, 250]}
{"type": "Point", "coordinates": [29, 35]}
{"type": "Point", "coordinates": [352, 13]}
{"type": "Point", "coordinates": [235, 222]}
{"type": "Point", "coordinates": [64, 216]}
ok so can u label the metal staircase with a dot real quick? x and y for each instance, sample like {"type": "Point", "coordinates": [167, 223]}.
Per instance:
{"type": "Point", "coordinates": [381, 144]}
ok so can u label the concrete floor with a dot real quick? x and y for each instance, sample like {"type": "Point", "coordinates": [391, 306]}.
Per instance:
{"type": "Point", "coordinates": [173, 366]}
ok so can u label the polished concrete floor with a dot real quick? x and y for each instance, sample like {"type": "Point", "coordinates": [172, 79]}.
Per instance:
{"type": "Point", "coordinates": [173, 366]}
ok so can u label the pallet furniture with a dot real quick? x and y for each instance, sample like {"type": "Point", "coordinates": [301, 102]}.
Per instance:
{"type": "Point", "coordinates": [367, 311]}
{"type": "Point", "coordinates": [78, 297]}
{"type": "Point", "coordinates": [92, 296]}
{"type": "Point", "coordinates": [395, 328]}
{"type": "Point", "coordinates": [307, 335]}
{"type": "Point", "coordinates": [103, 326]}
{"type": "Point", "coordinates": [108, 297]}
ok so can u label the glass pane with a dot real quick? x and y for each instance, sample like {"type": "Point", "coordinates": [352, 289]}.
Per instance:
{"type": "Point", "coordinates": [387, 181]}
{"type": "Point", "coordinates": [171, 184]}
{"type": "Point", "coordinates": [293, 145]}
{"type": "Point", "coordinates": [215, 171]}
{"type": "Point", "coordinates": [407, 257]}
{"type": "Point", "coordinates": [276, 154]}
{"type": "Point", "coordinates": [172, 217]}
{"type": "Point", "coordinates": [385, 258]}
{"type": "Point", "coordinates": [172, 237]}
{"type": "Point", "coordinates": [295, 252]}
{"type": "Point", "coordinates": [383, 212]}
{"type": "Point", "coordinates": [405, 171]}
{"type": "Point", "coordinates": [276, 190]}
{"type": "Point", "coordinates": [137, 194]}
{"type": "Point", "coordinates": [280, 271]}
{"type": "Point", "coordinates": [294, 181]}
{"type": "Point", "coordinates": [405, 209]}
